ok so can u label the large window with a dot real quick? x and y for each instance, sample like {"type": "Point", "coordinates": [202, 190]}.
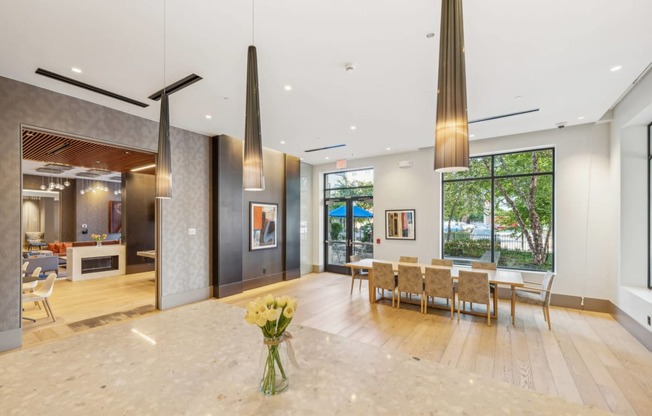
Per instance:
{"type": "Point", "coordinates": [649, 208]}
{"type": "Point", "coordinates": [501, 210]}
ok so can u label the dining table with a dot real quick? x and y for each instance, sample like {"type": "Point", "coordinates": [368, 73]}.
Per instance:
{"type": "Point", "coordinates": [500, 277]}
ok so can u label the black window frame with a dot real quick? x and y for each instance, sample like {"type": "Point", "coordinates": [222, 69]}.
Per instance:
{"type": "Point", "coordinates": [649, 207]}
{"type": "Point", "coordinates": [493, 177]}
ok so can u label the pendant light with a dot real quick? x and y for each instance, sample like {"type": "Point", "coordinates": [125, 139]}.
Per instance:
{"type": "Point", "coordinates": [163, 159]}
{"type": "Point", "coordinates": [252, 165]}
{"type": "Point", "coordinates": [452, 126]}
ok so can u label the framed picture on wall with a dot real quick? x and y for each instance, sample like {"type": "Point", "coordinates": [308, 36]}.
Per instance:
{"type": "Point", "coordinates": [262, 225]}
{"type": "Point", "coordinates": [115, 217]}
{"type": "Point", "coordinates": [400, 224]}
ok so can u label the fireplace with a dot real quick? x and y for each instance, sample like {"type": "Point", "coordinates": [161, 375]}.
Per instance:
{"type": "Point", "coordinates": [99, 264]}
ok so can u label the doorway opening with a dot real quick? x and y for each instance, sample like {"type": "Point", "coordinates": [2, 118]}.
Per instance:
{"type": "Point", "coordinates": [89, 217]}
{"type": "Point", "coordinates": [348, 218]}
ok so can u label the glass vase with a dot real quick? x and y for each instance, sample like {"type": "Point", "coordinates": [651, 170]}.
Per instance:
{"type": "Point", "coordinates": [273, 366]}
{"type": "Point", "coordinates": [98, 243]}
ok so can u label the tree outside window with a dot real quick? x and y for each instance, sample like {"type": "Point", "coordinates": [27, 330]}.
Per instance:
{"type": "Point", "coordinates": [501, 210]}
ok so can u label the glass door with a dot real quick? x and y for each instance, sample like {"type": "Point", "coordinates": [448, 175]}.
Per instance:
{"type": "Point", "coordinates": [349, 231]}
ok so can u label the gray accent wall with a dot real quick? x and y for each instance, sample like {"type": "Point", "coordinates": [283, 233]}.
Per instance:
{"type": "Point", "coordinates": [185, 258]}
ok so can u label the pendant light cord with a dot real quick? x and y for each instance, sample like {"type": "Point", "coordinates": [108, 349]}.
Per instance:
{"type": "Point", "coordinates": [164, 40]}
{"type": "Point", "coordinates": [253, 21]}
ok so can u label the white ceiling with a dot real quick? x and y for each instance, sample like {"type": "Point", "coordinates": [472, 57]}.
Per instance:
{"type": "Point", "coordinates": [555, 54]}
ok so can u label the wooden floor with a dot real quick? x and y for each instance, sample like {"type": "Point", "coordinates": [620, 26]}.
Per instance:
{"type": "Point", "coordinates": [85, 304]}
{"type": "Point", "coordinates": [587, 357]}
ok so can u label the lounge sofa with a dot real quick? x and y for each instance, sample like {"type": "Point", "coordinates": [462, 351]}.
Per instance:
{"type": "Point", "coordinates": [46, 261]}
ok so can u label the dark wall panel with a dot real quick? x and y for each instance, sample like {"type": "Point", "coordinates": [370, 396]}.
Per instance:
{"type": "Point", "coordinates": [227, 215]}
{"type": "Point", "coordinates": [138, 219]}
{"type": "Point", "coordinates": [261, 263]}
{"type": "Point", "coordinates": [293, 217]}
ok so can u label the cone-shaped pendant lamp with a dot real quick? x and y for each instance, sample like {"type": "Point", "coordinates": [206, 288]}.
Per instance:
{"type": "Point", "coordinates": [452, 127]}
{"type": "Point", "coordinates": [252, 166]}
{"type": "Point", "coordinates": [163, 159]}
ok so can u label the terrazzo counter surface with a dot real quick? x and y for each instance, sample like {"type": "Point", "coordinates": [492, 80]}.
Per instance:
{"type": "Point", "coordinates": [203, 359]}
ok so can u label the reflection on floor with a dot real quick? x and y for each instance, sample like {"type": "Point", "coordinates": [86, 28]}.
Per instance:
{"type": "Point", "coordinates": [79, 306]}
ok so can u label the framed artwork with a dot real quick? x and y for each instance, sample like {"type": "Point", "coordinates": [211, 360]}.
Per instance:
{"type": "Point", "coordinates": [115, 217]}
{"type": "Point", "coordinates": [262, 225]}
{"type": "Point", "coordinates": [400, 224]}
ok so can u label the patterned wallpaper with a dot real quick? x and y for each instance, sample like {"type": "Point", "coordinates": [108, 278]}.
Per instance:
{"type": "Point", "coordinates": [306, 218]}
{"type": "Point", "coordinates": [92, 210]}
{"type": "Point", "coordinates": [185, 258]}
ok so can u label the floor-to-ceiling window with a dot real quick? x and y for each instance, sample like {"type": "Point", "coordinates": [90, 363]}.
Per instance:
{"type": "Point", "coordinates": [348, 204]}
{"type": "Point", "coordinates": [501, 210]}
{"type": "Point", "coordinates": [649, 209]}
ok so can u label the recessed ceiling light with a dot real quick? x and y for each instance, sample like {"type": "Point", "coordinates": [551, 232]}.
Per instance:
{"type": "Point", "coordinates": [473, 135]}
{"type": "Point", "coordinates": [430, 35]}
{"type": "Point", "coordinates": [208, 116]}
{"type": "Point", "coordinates": [288, 88]}
{"type": "Point", "coordinates": [352, 127]}
{"type": "Point", "coordinates": [616, 68]}
{"type": "Point", "coordinates": [580, 118]}
{"type": "Point", "coordinates": [282, 142]}
{"type": "Point", "coordinates": [76, 70]}
{"type": "Point", "coordinates": [327, 157]}
{"type": "Point", "coordinates": [387, 148]}
{"type": "Point", "coordinates": [518, 97]}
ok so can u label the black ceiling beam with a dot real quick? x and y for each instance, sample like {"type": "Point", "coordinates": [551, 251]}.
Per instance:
{"type": "Point", "coordinates": [179, 85]}
{"type": "Point", "coordinates": [503, 116]}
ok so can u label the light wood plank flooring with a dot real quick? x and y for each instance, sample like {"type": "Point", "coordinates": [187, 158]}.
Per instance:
{"type": "Point", "coordinates": [587, 357]}
{"type": "Point", "coordinates": [78, 306]}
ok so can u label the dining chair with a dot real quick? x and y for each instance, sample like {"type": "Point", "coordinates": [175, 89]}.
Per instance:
{"type": "Point", "coordinates": [485, 265]}
{"type": "Point", "coordinates": [438, 283]}
{"type": "Point", "coordinates": [32, 285]}
{"type": "Point", "coordinates": [42, 293]}
{"type": "Point", "coordinates": [539, 296]}
{"type": "Point", "coordinates": [24, 268]}
{"type": "Point", "coordinates": [360, 274]}
{"type": "Point", "coordinates": [473, 287]}
{"type": "Point", "coordinates": [408, 259]}
{"type": "Point", "coordinates": [410, 280]}
{"type": "Point", "coordinates": [384, 278]}
{"type": "Point", "coordinates": [441, 262]}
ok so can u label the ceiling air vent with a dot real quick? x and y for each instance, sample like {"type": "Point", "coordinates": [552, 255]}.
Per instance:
{"type": "Point", "coordinates": [88, 175]}
{"type": "Point", "coordinates": [63, 168]}
{"type": "Point", "coordinates": [51, 171]}
{"type": "Point", "coordinates": [319, 149]}
{"type": "Point", "coordinates": [177, 86]}
{"type": "Point", "coordinates": [89, 87]}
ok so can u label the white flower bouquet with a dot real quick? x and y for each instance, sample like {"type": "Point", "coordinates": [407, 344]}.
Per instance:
{"type": "Point", "coordinates": [273, 316]}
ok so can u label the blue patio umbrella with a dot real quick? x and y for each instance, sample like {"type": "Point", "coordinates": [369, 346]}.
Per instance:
{"type": "Point", "coordinates": [357, 212]}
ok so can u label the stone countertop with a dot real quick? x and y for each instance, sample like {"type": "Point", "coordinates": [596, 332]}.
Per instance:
{"type": "Point", "coordinates": [204, 359]}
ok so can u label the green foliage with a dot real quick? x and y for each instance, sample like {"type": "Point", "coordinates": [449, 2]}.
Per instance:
{"type": "Point", "coordinates": [335, 229]}
{"type": "Point", "coordinates": [516, 259]}
{"type": "Point", "coordinates": [467, 248]}
{"type": "Point", "coordinates": [366, 231]}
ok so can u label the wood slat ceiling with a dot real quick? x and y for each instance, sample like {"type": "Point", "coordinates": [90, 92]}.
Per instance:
{"type": "Point", "coordinates": [41, 147]}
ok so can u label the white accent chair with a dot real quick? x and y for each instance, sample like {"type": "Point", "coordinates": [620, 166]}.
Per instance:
{"type": "Point", "coordinates": [42, 293]}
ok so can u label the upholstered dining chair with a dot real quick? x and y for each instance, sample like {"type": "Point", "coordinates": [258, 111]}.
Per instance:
{"type": "Point", "coordinates": [410, 280]}
{"type": "Point", "coordinates": [438, 283]}
{"type": "Point", "coordinates": [384, 278]}
{"type": "Point", "coordinates": [360, 274]}
{"type": "Point", "coordinates": [441, 262]}
{"type": "Point", "coordinates": [538, 296]}
{"type": "Point", "coordinates": [42, 293]}
{"type": "Point", "coordinates": [408, 259]}
{"type": "Point", "coordinates": [485, 265]}
{"type": "Point", "coordinates": [473, 287]}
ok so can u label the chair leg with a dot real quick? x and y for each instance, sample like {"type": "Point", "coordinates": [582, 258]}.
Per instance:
{"type": "Point", "coordinates": [458, 311]}
{"type": "Point", "coordinates": [399, 300]}
{"type": "Point", "coordinates": [548, 317]}
{"type": "Point", "coordinates": [545, 318]}
{"type": "Point", "coordinates": [452, 304]}
{"type": "Point", "coordinates": [359, 286]}
{"type": "Point", "coordinates": [352, 281]}
{"type": "Point", "coordinates": [48, 307]}
{"type": "Point", "coordinates": [496, 302]}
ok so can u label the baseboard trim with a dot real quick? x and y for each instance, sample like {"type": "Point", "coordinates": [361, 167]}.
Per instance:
{"type": "Point", "coordinates": [139, 268]}
{"type": "Point", "coordinates": [228, 290]}
{"type": "Point", "coordinates": [262, 281]}
{"type": "Point", "coordinates": [179, 299]}
{"type": "Point", "coordinates": [292, 274]}
{"type": "Point", "coordinates": [316, 268]}
{"type": "Point", "coordinates": [11, 339]}
{"type": "Point", "coordinates": [637, 330]}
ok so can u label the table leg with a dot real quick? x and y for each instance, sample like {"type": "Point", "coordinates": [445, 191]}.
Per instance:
{"type": "Point", "coordinates": [513, 303]}
{"type": "Point", "coordinates": [372, 291]}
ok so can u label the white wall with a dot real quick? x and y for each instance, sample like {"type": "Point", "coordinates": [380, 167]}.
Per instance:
{"type": "Point", "coordinates": [419, 188]}
{"type": "Point", "coordinates": [629, 173]}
